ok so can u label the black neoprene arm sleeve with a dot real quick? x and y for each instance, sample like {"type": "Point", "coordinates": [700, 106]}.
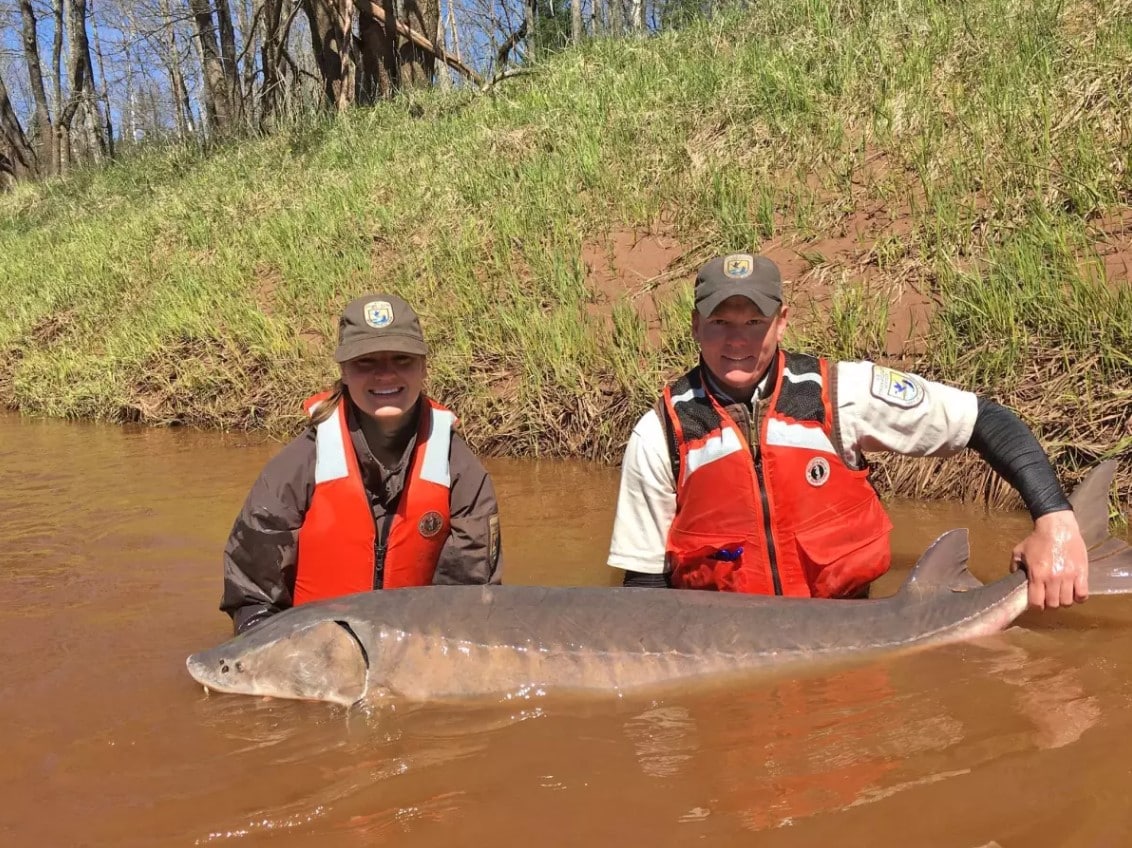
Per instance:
{"type": "Point", "coordinates": [1011, 449]}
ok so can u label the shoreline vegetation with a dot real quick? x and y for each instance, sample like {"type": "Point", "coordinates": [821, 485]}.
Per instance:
{"type": "Point", "coordinates": [947, 188]}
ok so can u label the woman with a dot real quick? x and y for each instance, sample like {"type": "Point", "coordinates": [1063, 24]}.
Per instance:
{"type": "Point", "coordinates": [378, 493]}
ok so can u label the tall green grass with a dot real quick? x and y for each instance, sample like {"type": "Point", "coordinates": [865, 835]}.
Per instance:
{"type": "Point", "coordinates": [203, 289]}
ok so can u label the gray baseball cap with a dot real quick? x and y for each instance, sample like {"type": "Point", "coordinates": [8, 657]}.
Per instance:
{"type": "Point", "coordinates": [753, 277]}
{"type": "Point", "coordinates": [378, 322]}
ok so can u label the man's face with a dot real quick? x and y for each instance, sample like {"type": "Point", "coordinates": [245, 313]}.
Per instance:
{"type": "Point", "coordinates": [738, 343]}
{"type": "Point", "coordinates": [385, 385]}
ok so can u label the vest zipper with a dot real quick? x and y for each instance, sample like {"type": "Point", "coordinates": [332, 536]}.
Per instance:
{"type": "Point", "coordinates": [772, 557]}
{"type": "Point", "coordinates": [380, 547]}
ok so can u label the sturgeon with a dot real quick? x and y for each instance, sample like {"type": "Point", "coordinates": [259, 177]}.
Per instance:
{"type": "Point", "coordinates": [442, 642]}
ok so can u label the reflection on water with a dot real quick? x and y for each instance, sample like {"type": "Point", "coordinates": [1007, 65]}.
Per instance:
{"type": "Point", "coordinates": [110, 546]}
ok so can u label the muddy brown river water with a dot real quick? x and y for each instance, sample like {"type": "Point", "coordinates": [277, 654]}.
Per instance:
{"type": "Point", "coordinates": [110, 544]}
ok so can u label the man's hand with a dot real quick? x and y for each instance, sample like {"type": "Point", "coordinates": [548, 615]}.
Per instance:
{"type": "Point", "coordinates": [1055, 561]}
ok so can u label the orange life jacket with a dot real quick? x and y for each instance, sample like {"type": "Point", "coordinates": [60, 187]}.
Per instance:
{"type": "Point", "coordinates": [792, 520]}
{"type": "Point", "coordinates": [340, 551]}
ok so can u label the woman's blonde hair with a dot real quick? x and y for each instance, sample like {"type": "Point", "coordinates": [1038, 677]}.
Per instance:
{"type": "Point", "coordinates": [327, 407]}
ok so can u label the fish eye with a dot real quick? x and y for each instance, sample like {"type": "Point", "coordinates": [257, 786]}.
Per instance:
{"type": "Point", "coordinates": [239, 666]}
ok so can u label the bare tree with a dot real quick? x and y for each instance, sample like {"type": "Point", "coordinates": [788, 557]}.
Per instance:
{"type": "Point", "coordinates": [104, 111]}
{"type": "Point", "coordinates": [228, 55]}
{"type": "Point", "coordinates": [381, 69]}
{"type": "Point", "coordinates": [22, 161]}
{"type": "Point", "coordinates": [418, 64]}
{"type": "Point", "coordinates": [81, 78]}
{"type": "Point", "coordinates": [57, 80]}
{"type": "Point", "coordinates": [44, 128]}
{"type": "Point", "coordinates": [331, 28]}
{"type": "Point", "coordinates": [218, 94]}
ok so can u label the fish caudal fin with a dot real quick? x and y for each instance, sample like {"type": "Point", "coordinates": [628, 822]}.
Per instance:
{"type": "Point", "coordinates": [1110, 560]}
{"type": "Point", "coordinates": [942, 568]}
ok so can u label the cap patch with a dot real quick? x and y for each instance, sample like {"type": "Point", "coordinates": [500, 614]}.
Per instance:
{"type": "Point", "coordinates": [738, 265]}
{"type": "Point", "coordinates": [378, 313]}
{"type": "Point", "coordinates": [896, 388]}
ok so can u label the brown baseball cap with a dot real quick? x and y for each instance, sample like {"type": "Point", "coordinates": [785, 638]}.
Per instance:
{"type": "Point", "coordinates": [378, 322]}
{"type": "Point", "coordinates": [753, 277]}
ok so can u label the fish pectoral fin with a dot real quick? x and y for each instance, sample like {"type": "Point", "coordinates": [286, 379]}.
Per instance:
{"type": "Point", "coordinates": [942, 567]}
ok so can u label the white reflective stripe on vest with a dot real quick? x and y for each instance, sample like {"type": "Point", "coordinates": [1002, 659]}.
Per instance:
{"type": "Point", "coordinates": [778, 432]}
{"type": "Point", "coordinates": [330, 453]}
{"type": "Point", "coordinates": [435, 468]}
{"type": "Point", "coordinates": [684, 397]}
{"type": "Point", "coordinates": [812, 377]}
{"type": "Point", "coordinates": [717, 447]}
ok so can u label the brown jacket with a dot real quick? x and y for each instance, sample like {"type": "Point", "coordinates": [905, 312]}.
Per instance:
{"type": "Point", "coordinates": [262, 551]}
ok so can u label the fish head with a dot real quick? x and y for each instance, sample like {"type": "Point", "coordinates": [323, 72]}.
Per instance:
{"type": "Point", "coordinates": [318, 660]}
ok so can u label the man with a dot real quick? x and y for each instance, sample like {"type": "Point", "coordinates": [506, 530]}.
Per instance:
{"type": "Point", "coordinates": [749, 474]}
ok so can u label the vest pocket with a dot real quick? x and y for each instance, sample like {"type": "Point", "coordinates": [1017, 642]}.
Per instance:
{"type": "Point", "coordinates": [708, 567]}
{"type": "Point", "coordinates": [844, 554]}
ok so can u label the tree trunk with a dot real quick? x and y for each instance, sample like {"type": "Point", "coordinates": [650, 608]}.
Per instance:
{"type": "Point", "coordinates": [22, 160]}
{"type": "Point", "coordinates": [44, 130]}
{"type": "Point", "coordinates": [249, 13]}
{"type": "Point", "coordinates": [418, 66]}
{"type": "Point", "coordinates": [228, 59]}
{"type": "Point", "coordinates": [331, 25]}
{"type": "Point", "coordinates": [216, 92]}
{"type": "Point", "coordinates": [105, 116]}
{"type": "Point", "coordinates": [271, 49]}
{"type": "Point", "coordinates": [576, 21]}
{"type": "Point", "coordinates": [170, 57]}
{"type": "Point", "coordinates": [81, 76]}
{"type": "Point", "coordinates": [57, 151]}
{"type": "Point", "coordinates": [380, 69]}
{"type": "Point", "coordinates": [616, 17]}
{"type": "Point", "coordinates": [529, 19]}
{"type": "Point", "coordinates": [455, 32]}
{"type": "Point", "coordinates": [444, 76]}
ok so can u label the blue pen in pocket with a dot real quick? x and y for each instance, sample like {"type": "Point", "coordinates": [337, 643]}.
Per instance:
{"type": "Point", "coordinates": [729, 554]}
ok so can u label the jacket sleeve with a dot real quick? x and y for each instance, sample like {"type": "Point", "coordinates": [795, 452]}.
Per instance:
{"type": "Point", "coordinates": [260, 557]}
{"type": "Point", "coordinates": [473, 551]}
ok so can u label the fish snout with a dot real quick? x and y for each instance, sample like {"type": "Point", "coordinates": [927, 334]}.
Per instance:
{"type": "Point", "coordinates": [215, 671]}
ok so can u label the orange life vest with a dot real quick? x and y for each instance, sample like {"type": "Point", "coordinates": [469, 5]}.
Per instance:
{"type": "Point", "coordinates": [340, 551]}
{"type": "Point", "coordinates": [792, 520]}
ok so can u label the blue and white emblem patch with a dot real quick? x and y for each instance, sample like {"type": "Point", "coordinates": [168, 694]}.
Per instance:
{"type": "Point", "coordinates": [896, 388]}
{"type": "Point", "coordinates": [378, 313]}
{"type": "Point", "coordinates": [738, 265]}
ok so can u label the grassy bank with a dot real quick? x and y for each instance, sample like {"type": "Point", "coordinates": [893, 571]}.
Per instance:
{"type": "Point", "coordinates": [970, 164]}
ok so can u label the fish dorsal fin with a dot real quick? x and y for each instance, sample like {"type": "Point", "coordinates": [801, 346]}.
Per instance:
{"type": "Point", "coordinates": [1090, 503]}
{"type": "Point", "coordinates": [942, 567]}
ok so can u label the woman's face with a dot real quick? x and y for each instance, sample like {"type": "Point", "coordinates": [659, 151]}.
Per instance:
{"type": "Point", "coordinates": [386, 385]}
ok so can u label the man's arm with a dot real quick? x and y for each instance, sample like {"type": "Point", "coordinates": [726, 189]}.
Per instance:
{"type": "Point", "coordinates": [646, 505]}
{"type": "Point", "coordinates": [879, 409]}
{"type": "Point", "coordinates": [1054, 554]}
